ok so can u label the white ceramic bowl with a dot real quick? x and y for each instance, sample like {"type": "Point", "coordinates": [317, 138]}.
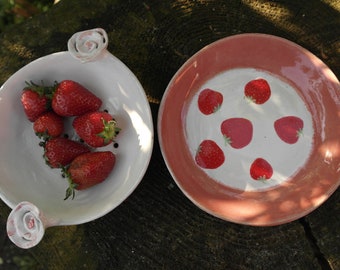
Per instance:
{"type": "Point", "coordinates": [23, 174]}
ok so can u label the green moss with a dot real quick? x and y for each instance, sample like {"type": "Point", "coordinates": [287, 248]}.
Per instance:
{"type": "Point", "coordinates": [68, 245]}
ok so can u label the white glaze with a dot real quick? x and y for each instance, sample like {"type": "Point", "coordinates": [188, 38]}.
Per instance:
{"type": "Point", "coordinates": [88, 45]}
{"type": "Point", "coordinates": [285, 159]}
{"type": "Point", "coordinates": [24, 174]}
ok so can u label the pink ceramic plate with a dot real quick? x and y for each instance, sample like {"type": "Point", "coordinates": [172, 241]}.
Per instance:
{"type": "Point", "coordinates": [264, 160]}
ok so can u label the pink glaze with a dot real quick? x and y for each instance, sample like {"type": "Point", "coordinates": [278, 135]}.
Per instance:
{"type": "Point", "coordinates": [318, 88]}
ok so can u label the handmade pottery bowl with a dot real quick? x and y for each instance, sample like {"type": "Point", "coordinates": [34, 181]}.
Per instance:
{"type": "Point", "coordinates": [33, 190]}
{"type": "Point", "coordinates": [263, 160]}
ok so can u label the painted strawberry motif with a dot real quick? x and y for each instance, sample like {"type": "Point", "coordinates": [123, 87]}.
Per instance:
{"type": "Point", "coordinates": [289, 128]}
{"type": "Point", "coordinates": [48, 125]}
{"type": "Point", "coordinates": [72, 99]}
{"type": "Point", "coordinates": [260, 169]}
{"type": "Point", "coordinates": [237, 132]}
{"type": "Point", "coordinates": [258, 91]}
{"type": "Point", "coordinates": [87, 170]}
{"type": "Point", "coordinates": [209, 101]}
{"type": "Point", "coordinates": [209, 155]}
{"type": "Point", "coordinates": [60, 152]}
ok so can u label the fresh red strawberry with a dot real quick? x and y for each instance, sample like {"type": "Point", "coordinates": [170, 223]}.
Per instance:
{"type": "Point", "coordinates": [88, 170]}
{"type": "Point", "coordinates": [289, 128]}
{"type": "Point", "coordinates": [72, 99]}
{"type": "Point", "coordinates": [97, 129]}
{"type": "Point", "coordinates": [209, 101]}
{"type": "Point", "coordinates": [238, 132]}
{"type": "Point", "coordinates": [257, 91]}
{"type": "Point", "coordinates": [61, 151]}
{"type": "Point", "coordinates": [48, 125]}
{"type": "Point", "coordinates": [209, 155]}
{"type": "Point", "coordinates": [35, 101]}
{"type": "Point", "coordinates": [260, 169]}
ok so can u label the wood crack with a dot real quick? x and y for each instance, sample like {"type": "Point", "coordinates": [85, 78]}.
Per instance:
{"type": "Point", "coordinates": [324, 264]}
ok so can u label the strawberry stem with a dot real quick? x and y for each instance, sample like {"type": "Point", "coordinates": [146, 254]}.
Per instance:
{"type": "Point", "coordinates": [263, 179]}
{"type": "Point", "coordinates": [70, 191]}
{"type": "Point", "coordinates": [43, 91]}
{"type": "Point", "coordinates": [110, 130]}
{"type": "Point", "coordinates": [250, 99]}
{"type": "Point", "coordinates": [299, 133]}
{"type": "Point", "coordinates": [43, 135]}
{"type": "Point", "coordinates": [217, 108]}
{"type": "Point", "coordinates": [227, 140]}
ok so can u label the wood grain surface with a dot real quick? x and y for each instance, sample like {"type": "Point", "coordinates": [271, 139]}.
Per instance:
{"type": "Point", "coordinates": [157, 227]}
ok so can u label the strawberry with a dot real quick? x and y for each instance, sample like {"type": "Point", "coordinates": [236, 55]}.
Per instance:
{"type": "Point", "coordinates": [35, 100]}
{"type": "Point", "coordinates": [258, 91]}
{"type": "Point", "coordinates": [289, 128]}
{"type": "Point", "coordinates": [61, 151]}
{"type": "Point", "coordinates": [72, 99]}
{"type": "Point", "coordinates": [48, 125]}
{"type": "Point", "coordinates": [260, 169]}
{"type": "Point", "coordinates": [97, 129]}
{"type": "Point", "coordinates": [209, 155]}
{"type": "Point", "coordinates": [209, 101]}
{"type": "Point", "coordinates": [88, 170]}
{"type": "Point", "coordinates": [237, 132]}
